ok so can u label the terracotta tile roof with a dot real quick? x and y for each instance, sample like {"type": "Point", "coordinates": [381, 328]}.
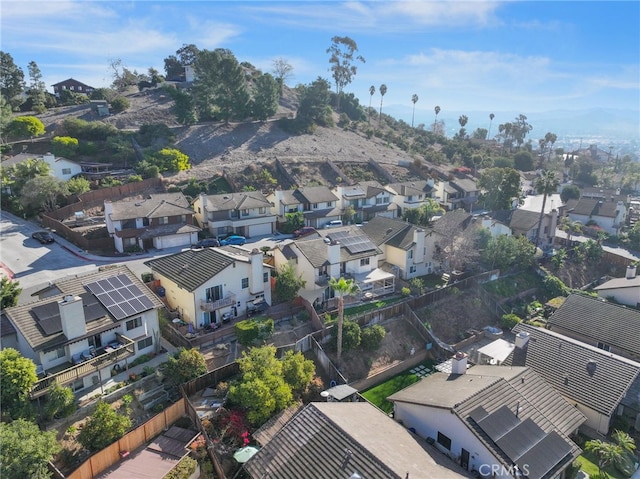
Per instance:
{"type": "Point", "coordinates": [600, 320]}
{"type": "Point", "coordinates": [191, 268]}
{"type": "Point", "coordinates": [582, 373]}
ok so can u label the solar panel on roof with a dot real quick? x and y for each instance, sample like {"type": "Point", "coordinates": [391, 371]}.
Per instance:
{"type": "Point", "coordinates": [498, 423]}
{"type": "Point", "coordinates": [120, 296]}
{"type": "Point", "coordinates": [51, 326]}
{"type": "Point", "coordinates": [520, 439]}
{"type": "Point", "coordinates": [544, 456]}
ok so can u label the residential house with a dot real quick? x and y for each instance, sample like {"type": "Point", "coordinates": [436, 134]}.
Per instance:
{"type": "Point", "coordinates": [339, 252]}
{"type": "Point", "coordinates": [347, 440]}
{"type": "Point", "coordinates": [410, 194]}
{"type": "Point", "coordinates": [459, 192]}
{"type": "Point", "coordinates": [608, 326]}
{"type": "Point", "coordinates": [8, 334]}
{"type": "Point", "coordinates": [72, 85]}
{"type": "Point", "coordinates": [525, 223]}
{"type": "Point", "coordinates": [86, 326]}
{"type": "Point", "coordinates": [318, 205]}
{"type": "Point", "coordinates": [60, 168]}
{"type": "Point", "coordinates": [407, 250]}
{"type": "Point", "coordinates": [368, 199]}
{"type": "Point", "coordinates": [210, 286]}
{"type": "Point", "coordinates": [492, 415]}
{"type": "Point", "coordinates": [623, 290]}
{"type": "Point", "coordinates": [246, 214]}
{"type": "Point", "coordinates": [593, 380]}
{"type": "Point", "coordinates": [608, 212]}
{"type": "Point", "coordinates": [155, 221]}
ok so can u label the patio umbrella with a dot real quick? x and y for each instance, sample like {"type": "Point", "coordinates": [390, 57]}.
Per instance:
{"type": "Point", "coordinates": [243, 454]}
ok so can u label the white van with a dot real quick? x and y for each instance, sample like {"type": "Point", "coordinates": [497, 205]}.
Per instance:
{"type": "Point", "coordinates": [333, 224]}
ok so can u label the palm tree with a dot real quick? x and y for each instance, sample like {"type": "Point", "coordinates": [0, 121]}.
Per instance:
{"type": "Point", "coordinates": [610, 452]}
{"type": "Point", "coordinates": [414, 99]}
{"type": "Point", "coordinates": [546, 184]}
{"type": "Point", "coordinates": [372, 91]}
{"type": "Point", "coordinates": [383, 91]}
{"type": "Point", "coordinates": [570, 227]}
{"type": "Point", "coordinates": [342, 287]}
{"type": "Point", "coordinates": [491, 117]}
{"type": "Point", "coordinates": [435, 123]}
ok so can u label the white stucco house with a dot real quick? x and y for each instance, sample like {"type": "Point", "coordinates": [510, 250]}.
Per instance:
{"type": "Point", "coordinates": [318, 205]}
{"type": "Point", "coordinates": [85, 327]}
{"type": "Point", "coordinates": [210, 286]}
{"type": "Point", "coordinates": [368, 199]}
{"type": "Point", "coordinates": [61, 168]}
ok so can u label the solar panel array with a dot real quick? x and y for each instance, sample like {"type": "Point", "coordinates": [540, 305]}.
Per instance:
{"type": "Point", "coordinates": [355, 244]}
{"type": "Point", "coordinates": [524, 442]}
{"type": "Point", "coordinates": [48, 315]}
{"type": "Point", "coordinates": [120, 296]}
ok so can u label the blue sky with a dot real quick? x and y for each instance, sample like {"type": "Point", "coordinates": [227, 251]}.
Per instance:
{"type": "Point", "coordinates": [463, 56]}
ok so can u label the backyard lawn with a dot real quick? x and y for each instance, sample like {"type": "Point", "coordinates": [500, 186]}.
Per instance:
{"type": "Point", "coordinates": [378, 395]}
{"type": "Point", "coordinates": [589, 464]}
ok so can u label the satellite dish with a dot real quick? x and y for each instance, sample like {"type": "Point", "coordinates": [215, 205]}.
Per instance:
{"type": "Point", "coordinates": [324, 394]}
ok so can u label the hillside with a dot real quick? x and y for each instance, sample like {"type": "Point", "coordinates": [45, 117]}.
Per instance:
{"type": "Point", "coordinates": [214, 147]}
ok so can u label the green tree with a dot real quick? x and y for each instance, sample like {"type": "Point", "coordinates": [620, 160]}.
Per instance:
{"type": "Point", "coordinates": [383, 92]}
{"type": "Point", "coordinates": [508, 321]}
{"type": "Point", "coordinates": [37, 88]}
{"type": "Point", "coordinates": [610, 452]}
{"type": "Point", "coordinates": [183, 105]}
{"type": "Point", "coordinates": [17, 378]}
{"type": "Point", "coordinates": [297, 371]}
{"type": "Point", "coordinates": [504, 251]}
{"type": "Point", "coordinates": [64, 146]}
{"type": "Point", "coordinates": [265, 97]}
{"type": "Point", "coordinates": [11, 81]}
{"type": "Point", "coordinates": [313, 106]}
{"type": "Point", "coordinates": [546, 185]}
{"type": "Point", "coordinates": [5, 117]}
{"type": "Point", "coordinates": [60, 401]}
{"type": "Point", "coordinates": [523, 161]}
{"type": "Point", "coordinates": [500, 186]}
{"type": "Point", "coordinates": [42, 192]}
{"type": "Point", "coordinates": [435, 122]}
{"type": "Point", "coordinates": [120, 104]}
{"type": "Point", "coordinates": [104, 427]}
{"type": "Point", "coordinates": [570, 192]}
{"type": "Point", "coordinates": [262, 389]}
{"type": "Point", "coordinates": [9, 292]}
{"type": "Point", "coordinates": [169, 159]}
{"type": "Point", "coordinates": [343, 58]}
{"type": "Point", "coordinates": [26, 450]}
{"type": "Point", "coordinates": [288, 284]}
{"type": "Point", "coordinates": [373, 336]}
{"type": "Point", "coordinates": [491, 117]}
{"type": "Point", "coordinates": [342, 287]}
{"type": "Point", "coordinates": [185, 365]}
{"type": "Point", "coordinates": [27, 170]}
{"type": "Point", "coordinates": [293, 221]}
{"type": "Point", "coordinates": [77, 186]}
{"type": "Point", "coordinates": [423, 215]}
{"type": "Point", "coordinates": [414, 100]}
{"type": "Point", "coordinates": [558, 259]}
{"type": "Point", "coordinates": [26, 127]}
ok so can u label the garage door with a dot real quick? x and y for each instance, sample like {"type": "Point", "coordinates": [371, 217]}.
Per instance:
{"type": "Point", "coordinates": [260, 230]}
{"type": "Point", "coordinates": [172, 241]}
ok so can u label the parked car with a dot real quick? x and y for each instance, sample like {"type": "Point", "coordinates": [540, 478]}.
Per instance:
{"type": "Point", "coordinates": [43, 236]}
{"type": "Point", "coordinates": [304, 231]}
{"type": "Point", "coordinates": [233, 240]}
{"type": "Point", "coordinates": [333, 224]}
{"type": "Point", "coordinates": [207, 243]}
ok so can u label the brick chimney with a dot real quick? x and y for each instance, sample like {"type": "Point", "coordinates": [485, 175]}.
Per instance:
{"type": "Point", "coordinates": [72, 317]}
{"type": "Point", "coordinates": [459, 363]}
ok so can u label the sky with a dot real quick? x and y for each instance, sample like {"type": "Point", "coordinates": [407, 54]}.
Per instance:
{"type": "Point", "coordinates": [464, 56]}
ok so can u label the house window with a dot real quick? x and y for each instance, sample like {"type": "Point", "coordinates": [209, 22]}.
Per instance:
{"type": "Point", "coordinates": [444, 441]}
{"type": "Point", "coordinates": [183, 218]}
{"type": "Point", "coordinates": [129, 242]}
{"type": "Point", "coordinates": [60, 353]}
{"type": "Point", "coordinates": [245, 212]}
{"type": "Point", "coordinates": [315, 206]}
{"type": "Point", "coordinates": [381, 200]}
{"type": "Point", "coordinates": [66, 171]}
{"type": "Point", "coordinates": [234, 213]}
{"type": "Point", "coordinates": [262, 210]}
{"type": "Point", "coordinates": [199, 210]}
{"type": "Point", "coordinates": [134, 323]}
{"type": "Point", "coordinates": [329, 204]}
{"type": "Point", "coordinates": [214, 293]}
{"type": "Point", "coordinates": [364, 261]}
{"type": "Point", "coordinates": [164, 220]}
{"type": "Point", "coordinates": [604, 347]}
{"type": "Point", "coordinates": [145, 343]}
{"type": "Point", "coordinates": [413, 269]}
{"type": "Point", "coordinates": [265, 277]}
{"type": "Point", "coordinates": [77, 385]}
{"type": "Point", "coordinates": [410, 254]}
{"type": "Point", "coordinates": [245, 283]}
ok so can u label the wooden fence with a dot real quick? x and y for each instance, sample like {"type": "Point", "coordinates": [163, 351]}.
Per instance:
{"type": "Point", "coordinates": [110, 455]}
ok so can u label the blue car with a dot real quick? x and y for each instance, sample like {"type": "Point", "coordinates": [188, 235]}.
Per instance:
{"type": "Point", "coordinates": [233, 240]}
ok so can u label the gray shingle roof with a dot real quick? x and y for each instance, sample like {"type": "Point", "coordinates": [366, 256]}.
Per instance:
{"type": "Point", "coordinates": [493, 387]}
{"type": "Point", "coordinates": [595, 207]}
{"type": "Point", "coordinates": [410, 188]}
{"type": "Point", "coordinates": [523, 221]}
{"type": "Point", "coordinates": [620, 283]}
{"type": "Point", "coordinates": [384, 230]}
{"type": "Point", "coordinates": [191, 268]}
{"type": "Point", "coordinates": [566, 364]}
{"type": "Point", "coordinates": [600, 320]}
{"type": "Point", "coordinates": [314, 194]}
{"type": "Point", "coordinates": [154, 206]}
{"type": "Point", "coordinates": [24, 318]}
{"type": "Point", "coordinates": [314, 445]}
{"type": "Point", "coordinates": [237, 201]}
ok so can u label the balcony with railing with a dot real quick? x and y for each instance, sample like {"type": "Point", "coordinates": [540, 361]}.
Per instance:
{"type": "Point", "coordinates": [106, 356]}
{"type": "Point", "coordinates": [228, 300]}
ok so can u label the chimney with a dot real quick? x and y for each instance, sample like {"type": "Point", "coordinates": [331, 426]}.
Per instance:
{"type": "Point", "coordinates": [333, 252]}
{"type": "Point", "coordinates": [256, 283]}
{"type": "Point", "coordinates": [631, 271]}
{"type": "Point", "coordinates": [72, 317]}
{"type": "Point", "coordinates": [418, 239]}
{"type": "Point", "coordinates": [522, 338]}
{"type": "Point", "coordinates": [459, 363]}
